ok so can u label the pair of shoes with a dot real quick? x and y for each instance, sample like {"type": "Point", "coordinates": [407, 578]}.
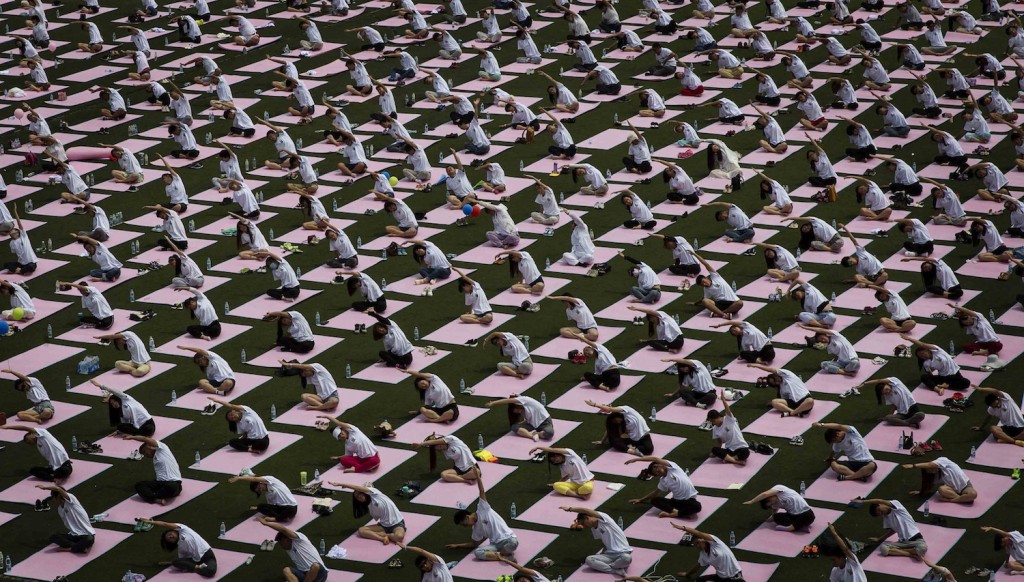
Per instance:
{"type": "Point", "coordinates": [141, 526]}
{"type": "Point", "coordinates": [719, 372]}
{"type": "Point", "coordinates": [135, 455]}
{"type": "Point", "coordinates": [428, 291]}
{"type": "Point", "coordinates": [533, 307]}
{"type": "Point", "coordinates": [705, 426]}
{"type": "Point", "coordinates": [797, 441]}
{"type": "Point", "coordinates": [395, 564]}
{"type": "Point", "coordinates": [209, 410]}
{"type": "Point", "coordinates": [540, 457]}
{"type": "Point", "coordinates": [934, 444]}
{"type": "Point", "coordinates": [851, 392]}
{"type": "Point", "coordinates": [543, 563]}
{"type": "Point", "coordinates": [42, 505]}
{"type": "Point", "coordinates": [360, 328]}
{"type": "Point", "coordinates": [322, 425]}
{"type": "Point", "coordinates": [639, 320]}
{"type": "Point", "coordinates": [195, 166]}
{"type": "Point", "coordinates": [750, 252]}
{"type": "Point", "coordinates": [268, 545]}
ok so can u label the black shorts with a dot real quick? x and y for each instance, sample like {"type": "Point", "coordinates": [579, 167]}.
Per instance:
{"type": "Point", "coordinates": [183, 205]}
{"type": "Point", "coordinates": [1000, 250]}
{"type": "Point", "coordinates": [460, 472]}
{"type": "Point", "coordinates": [535, 281]}
{"type": "Point", "coordinates": [723, 305]}
{"type": "Point", "coordinates": [854, 465]}
{"type": "Point", "coordinates": [454, 407]}
{"type": "Point", "coordinates": [794, 404]}
{"type": "Point", "coordinates": [218, 383]}
{"type": "Point", "coordinates": [1012, 431]}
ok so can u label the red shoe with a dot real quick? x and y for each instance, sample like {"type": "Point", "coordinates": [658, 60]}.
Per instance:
{"type": "Point", "coordinates": [925, 447]}
{"type": "Point", "coordinates": [934, 444]}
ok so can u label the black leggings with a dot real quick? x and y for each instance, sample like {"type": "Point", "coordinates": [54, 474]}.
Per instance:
{"type": "Point", "coordinates": [645, 445]}
{"type": "Point", "coordinates": [717, 578]}
{"type": "Point", "coordinates": [293, 345]}
{"type": "Point", "coordinates": [953, 292]}
{"type": "Point", "coordinates": [819, 182]}
{"type": "Point", "coordinates": [340, 263]}
{"type": "Point", "coordinates": [77, 544]}
{"type": "Point", "coordinates": [210, 331]}
{"type": "Point", "coordinates": [796, 520]}
{"type": "Point", "coordinates": [166, 244]}
{"type": "Point", "coordinates": [284, 292]}
{"type": "Point", "coordinates": [956, 382]}
{"type": "Point", "coordinates": [379, 306]}
{"type": "Point", "coordinates": [694, 398]}
{"type": "Point", "coordinates": [766, 354]}
{"type": "Point", "coordinates": [205, 567]}
{"type": "Point", "coordinates": [48, 474]}
{"type": "Point", "coordinates": [631, 164]}
{"type": "Point", "coordinates": [105, 323]}
{"type": "Point", "coordinates": [395, 361]}
{"type": "Point", "coordinates": [148, 428]}
{"type": "Point", "coordinates": [26, 269]}
{"type": "Point", "coordinates": [609, 378]}
{"type": "Point", "coordinates": [649, 225]}
{"type": "Point", "coordinates": [664, 346]}
{"type": "Point", "coordinates": [684, 507]}
{"type": "Point", "coordinates": [914, 189]}
{"type": "Point", "coordinates": [560, 151]}
{"type": "Point", "coordinates": [243, 443]}
{"type": "Point", "coordinates": [685, 270]}
{"type": "Point", "coordinates": [151, 491]}
{"type": "Point", "coordinates": [925, 248]}
{"type": "Point", "coordinates": [278, 512]}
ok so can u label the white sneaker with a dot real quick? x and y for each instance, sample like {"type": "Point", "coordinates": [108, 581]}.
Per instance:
{"type": "Point", "coordinates": [909, 254]}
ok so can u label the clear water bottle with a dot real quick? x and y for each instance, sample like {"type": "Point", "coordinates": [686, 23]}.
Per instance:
{"type": "Point", "coordinates": [584, 457]}
{"type": "Point", "coordinates": [67, 383]}
{"type": "Point", "coordinates": [74, 443]}
{"type": "Point", "coordinates": [7, 563]}
{"type": "Point", "coordinates": [273, 411]}
{"type": "Point", "coordinates": [152, 343]}
{"type": "Point", "coordinates": [732, 539]}
{"type": "Point", "coordinates": [833, 298]}
{"type": "Point", "coordinates": [462, 385]}
{"type": "Point", "coordinates": [952, 348]}
{"type": "Point", "coordinates": [323, 547]}
{"type": "Point", "coordinates": [128, 577]}
{"type": "Point", "coordinates": [926, 510]}
{"type": "Point", "coordinates": [696, 245]}
{"type": "Point", "coordinates": [227, 308]}
{"type": "Point", "coordinates": [547, 263]}
{"type": "Point", "coordinates": [209, 263]}
{"type": "Point", "coordinates": [244, 359]}
{"type": "Point", "coordinates": [543, 398]}
{"type": "Point", "coordinates": [318, 318]}
{"type": "Point", "coordinates": [198, 458]}
{"type": "Point", "coordinates": [770, 333]}
{"type": "Point", "coordinates": [383, 281]}
{"type": "Point", "coordinates": [479, 441]}
{"type": "Point", "coordinates": [131, 296]}
{"type": "Point", "coordinates": [416, 334]}
{"type": "Point", "coordinates": [223, 530]}
{"type": "Point", "coordinates": [512, 511]}
{"type": "Point", "coordinates": [803, 489]}
{"type": "Point", "coordinates": [561, 197]}
{"type": "Point", "coordinates": [359, 242]}
{"type": "Point", "coordinates": [974, 453]}
{"type": "Point", "coordinates": [191, 225]}
{"type": "Point", "coordinates": [348, 370]}
{"type": "Point", "coordinates": [174, 396]}
{"type": "Point", "coordinates": [734, 286]}
{"type": "Point", "coordinates": [620, 522]}
{"type": "Point", "coordinates": [316, 474]}
{"type": "Point", "coordinates": [899, 442]}
{"type": "Point", "coordinates": [654, 414]}
{"type": "Point", "coordinates": [270, 234]}
{"type": "Point", "coordinates": [49, 331]}
{"type": "Point", "coordinates": [991, 316]}
{"type": "Point", "coordinates": [298, 271]}
{"type": "Point", "coordinates": [384, 254]}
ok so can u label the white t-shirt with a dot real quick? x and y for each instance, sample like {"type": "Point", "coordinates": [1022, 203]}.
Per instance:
{"type": "Point", "coordinates": [251, 425]}
{"type": "Point", "coordinates": [278, 493]}
{"type": "Point", "coordinates": [190, 545]}
{"type": "Point", "coordinates": [489, 525]}
{"type": "Point", "coordinates": [50, 448]}
{"type": "Point", "coordinates": [304, 554]}
{"type": "Point", "coordinates": [611, 535]}
{"type": "Point", "coordinates": [218, 370]}
{"type": "Point", "coordinates": [719, 557]}
{"type": "Point", "coordinates": [165, 465]}
{"type": "Point", "coordinates": [75, 517]}
{"type": "Point", "coordinates": [677, 483]}
{"type": "Point", "coordinates": [383, 509]}
{"type": "Point", "coordinates": [900, 521]}
{"type": "Point", "coordinates": [729, 434]}
{"type": "Point", "coordinates": [853, 446]}
{"type": "Point", "coordinates": [459, 453]}
{"type": "Point", "coordinates": [574, 470]}
{"type": "Point", "coordinates": [951, 474]}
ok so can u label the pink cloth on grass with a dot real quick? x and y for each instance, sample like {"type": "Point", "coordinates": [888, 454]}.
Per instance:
{"type": "Point", "coordinates": [228, 331]}
{"type": "Point", "coordinates": [643, 559]}
{"type": "Point", "coordinates": [499, 385]}
{"type": "Point", "coordinates": [458, 333]}
{"type": "Point", "coordinates": [126, 511]}
{"type": "Point", "coordinates": [620, 309]}
{"type": "Point", "coordinates": [230, 462]}
{"type": "Point", "coordinates": [601, 255]}
{"type": "Point", "coordinates": [168, 296]}
{"type": "Point", "coordinates": [346, 320]}
{"type": "Point", "coordinates": [418, 429]}
{"type": "Point", "coordinates": [25, 491]}
{"type": "Point", "coordinates": [443, 494]}
{"type": "Point", "coordinates": [883, 342]}
{"type": "Point", "coordinates": [51, 562]}
{"type": "Point", "coordinates": [88, 335]}
{"type": "Point", "coordinates": [882, 437]}
{"type": "Point", "coordinates": [227, 562]}
{"type": "Point", "coordinates": [198, 400]}
{"type": "Point", "coordinates": [272, 359]}
{"type": "Point", "coordinates": [251, 531]}
{"type": "Point", "coordinates": [552, 285]}
{"type": "Point", "coordinates": [121, 381]}
{"type": "Point", "coordinates": [62, 411]}
{"type": "Point", "coordinates": [546, 511]}
{"type": "Point", "coordinates": [374, 552]}
{"type": "Point", "coordinates": [302, 415]}
{"type": "Point", "coordinates": [717, 474]}
{"type": "Point", "coordinates": [650, 360]}
{"type": "Point", "coordinates": [613, 462]}
{"type": "Point", "coordinates": [649, 527]}
{"type": "Point", "coordinates": [772, 423]}
{"type": "Point", "coordinates": [940, 541]}
{"type": "Point", "coordinates": [382, 373]}
{"type": "Point", "coordinates": [531, 543]}
{"type": "Point", "coordinates": [260, 306]}
{"type": "Point", "coordinates": [512, 446]}
{"type": "Point", "coordinates": [828, 487]}
{"type": "Point", "coordinates": [575, 398]}
{"type": "Point", "coordinates": [561, 346]}
{"type": "Point", "coordinates": [119, 448]}
{"type": "Point", "coordinates": [767, 540]}
{"type": "Point", "coordinates": [990, 487]}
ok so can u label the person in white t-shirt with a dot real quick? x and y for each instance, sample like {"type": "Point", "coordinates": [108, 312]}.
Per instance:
{"type": "Point", "coordinates": [488, 526]}
{"type": "Point", "coordinates": [719, 298]}
{"type": "Point", "coordinates": [845, 360]}
{"type": "Point", "coordinates": [897, 520]}
{"type": "Point", "coordinates": [58, 464]}
{"type": "Point", "coordinates": [247, 35]}
{"type": "Point", "coordinates": [616, 554]}
{"type": "Point", "coordinates": [407, 225]}
{"type": "Point", "coordinates": [195, 555]}
{"type": "Point", "coordinates": [510, 345]}
{"type": "Point", "coordinates": [522, 265]}
{"type": "Point", "coordinates": [939, 279]}
{"type": "Point", "coordinates": [308, 564]}
{"type": "Point", "coordinates": [108, 267]}
{"type": "Point", "coordinates": [432, 567]}
{"type": "Point", "coordinates": [390, 524]}
{"type": "Point", "coordinates": [293, 331]}
{"type": "Point", "coordinates": [202, 310]}
{"type": "Point", "coordinates": [438, 402]}
{"type": "Point", "coordinates": [939, 371]}
{"type": "Point", "coordinates": [606, 374]}
{"type": "Point", "coordinates": [244, 421]}
{"type": "Point", "coordinates": [794, 399]}
{"type": "Point", "coordinates": [672, 481]}
{"type": "Point", "coordinates": [167, 484]}
{"type": "Point", "coordinates": [730, 447]}
{"type": "Point", "coordinates": [788, 509]}
{"type": "Point", "coordinates": [527, 417]}
{"type": "Point", "coordinates": [464, 466]}
{"type": "Point", "coordinates": [280, 504]}
{"type": "Point", "coordinates": [220, 379]}
{"type": "Point", "coordinates": [625, 429]}
{"type": "Point", "coordinates": [325, 389]}
{"type": "Point", "coordinates": [575, 479]}
{"type": "Point", "coordinates": [1006, 412]}
{"type": "Point", "coordinates": [985, 340]}
{"type": "Point", "coordinates": [126, 414]}
{"type": "Point", "coordinates": [20, 300]}
{"type": "Point", "coordinates": [952, 484]}
{"type": "Point", "coordinates": [479, 309]}
{"type": "Point", "coordinates": [904, 410]}
{"type": "Point", "coordinates": [845, 565]}
{"type": "Point", "coordinates": [577, 311]}
{"type": "Point", "coordinates": [361, 455]}
{"type": "Point", "coordinates": [1012, 542]}
{"type": "Point", "coordinates": [100, 314]}
{"type": "Point", "coordinates": [282, 272]}
{"type": "Point", "coordinates": [847, 441]}
{"type": "Point", "coordinates": [80, 536]}
{"type": "Point", "coordinates": [398, 350]}
{"type": "Point", "coordinates": [712, 553]}
{"type": "Point", "coordinates": [42, 409]}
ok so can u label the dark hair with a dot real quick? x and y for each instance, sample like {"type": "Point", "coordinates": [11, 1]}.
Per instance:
{"type": "Point", "coordinates": [929, 276]}
{"type": "Point", "coordinates": [714, 414]}
{"type": "Point", "coordinates": [612, 424]}
{"type": "Point", "coordinates": [997, 542]}
{"type": "Point", "coordinates": [700, 279]}
{"type": "Point", "coordinates": [766, 503]}
{"type": "Point", "coordinates": [874, 509]}
{"type": "Point", "coordinates": [460, 516]}
{"type": "Point", "coordinates": [360, 508]}
{"type": "Point", "coordinates": [991, 399]}
{"type": "Point", "coordinates": [167, 544]}
{"type": "Point", "coordinates": [420, 560]}
{"type": "Point", "coordinates": [714, 158]}
{"type": "Point", "coordinates": [516, 414]}
{"type": "Point", "coordinates": [114, 414]}
{"type": "Point", "coordinates": [352, 284]}
{"type": "Point", "coordinates": [830, 435]}
{"type": "Point", "coordinates": [254, 486]}
{"type": "Point", "coordinates": [846, 261]}
{"type": "Point", "coordinates": [415, 257]}
{"type": "Point", "coordinates": [878, 390]}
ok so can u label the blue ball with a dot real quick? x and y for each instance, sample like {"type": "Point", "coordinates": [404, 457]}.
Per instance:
{"type": "Point", "coordinates": [467, 209]}
{"type": "Point", "coordinates": [4, 328]}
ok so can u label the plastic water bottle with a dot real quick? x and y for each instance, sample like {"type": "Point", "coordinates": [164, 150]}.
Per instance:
{"type": "Point", "coordinates": [359, 242]}
{"type": "Point", "coordinates": [803, 489]}
{"type": "Point", "coordinates": [209, 263]}
{"type": "Point", "coordinates": [480, 441]}
{"type": "Point", "coordinates": [152, 343]}
{"type": "Point", "coordinates": [348, 370]}
{"type": "Point", "coordinates": [654, 414]}
{"type": "Point", "coordinates": [383, 284]}
{"type": "Point", "coordinates": [273, 411]}
{"type": "Point", "coordinates": [462, 385]}
{"type": "Point", "coordinates": [926, 510]}
{"type": "Point", "coordinates": [243, 356]}
{"type": "Point", "coordinates": [732, 539]}
{"type": "Point", "coordinates": [67, 383]}
{"type": "Point", "coordinates": [174, 396]}
{"type": "Point", "coordinates": [74, 443]}
{"type": "Point", "coordinates": [696, 245]}
{"type": "Point", "coordinates": [770, 333]}
{"type": "Point", "coordinates": [833, 298]}
{"type": "Point", "coordinates": [547, 263]}
{"type": "Point", "coordinates": [323, 547]}
{"type": "Point", "coordinates": [952, 348]}
{"type": "Point", "coordinates": [734, 286]}
{"type": "Point", "coordinates": [316, 474]}
{"type": "Point", "coordinates": [191, 225]}
{"type": "Point", "coordinates": [899, 443]}
{"type": "Point", "coordinates": [223, 530]}
{"type": "Point", "coordinates": [227, 308]}
{"type": "Point", "coordinates": [198, 458]}
{"type": "Point", "coordinates": [974, 453]}
{"type": "Point", "coordinates": [128, 577]}
{"type": "Point", "coordinates": [543, 398]}
{"type": "Point", "coordinates": [7, 563]}
{"type": "Point", "coordinates": [416, 334]}
{"type": "Point", "coordinates": [131, 296]}
{"type": "Point", "coordinates": [318, 318]}
{"type": "Point", "coordinates": [619, 521]}
{"type": "Point", "coordinates": [991, 316]}
{"type": "Point", "coordinates": [49, 331]}
{"type": "Point", "coordinates": [584, 457]}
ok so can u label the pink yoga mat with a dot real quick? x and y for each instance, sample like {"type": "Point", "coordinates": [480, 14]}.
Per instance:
{"type": "Point", "coordinates": [733, 248]}
{"type": "Point", "coordinates": [1013, 346]}
{"type": "Point", "coordinates": [895, 262]}
{"type": "Point", "coordinates": [764, 286]}
{"type": "Point", "coordinates": [883, 342]}
{"type": "Point", "coordinates": [797, 335]}
{"type": "Point", "coordinates": [929, 397]}
{"type": "Point", "coordinates": [230, 462]}
{"type": "Point", "coordinates": [926, 305]}
{"type": "Point", "coordinates": [458, 333]}
{"type": "Point", "coordinates": [251, 531]}
{"type": "Point", "coordinates": [43, 266]}
{"type": "Point", "coordinates": [55, 208]}
{"type": "Point", "coordinates": [119, 380]}
{"type": "Point", "coordinates": [118, 448]}
{"type": "Point", "coordinates": [799, 209]}
{"type": "Point", "coordinates": [622, 235]}
{"type": "Point", "coordinates": [443, 494]}
{"type": "Point", "coordinates": [228, 332]}
{"type": "Point", "coordinates": [26, 492]}
{"type": "Point", "coordinates": [346, 320]}
{"type": "Point", "coordinates": [552, 285]}
{"type": "Point", "coordinates": [620, 309]}
{"type": "Point", "coordinates": [97, 125]}
{"type": "Point", "coordinates": [613, 462]}
{"type": "Point", "coordinates": [87, 335]}
{"type": "Point", "coordinates": [650, 360]}
{"type": "Point", "coordinates": [575, 398]}
{"type": "Point", "coordinates": [390, 459]}
{"type": "Point", "coordinates": [379, 244]}
{"type": "Point", "coordinates": [940, 541]}
{"type": "Point", "coordinates": [719, 475]}
{"type": "Point", "coordinates": [169, 296]}
{"type": "Point", "coordinates": [160, 256]}
{"type": "Point", "coordinates": [768, 540]}
{"type": "Point", "coordinates": [883, 436]}
{"type": "Point", "coordinates": [859, 297]}
{"type": "Point", "coordinates": [227, 222]}
{"type": "Point", "coordinates": [197, 399]}
{"type": "Point", "coordinates": [547, 512]}
{"type": "Point", "coordinates": [834, 383]}
{"type": "Point", "coordinates": [325, 274]}
{"type": "Point", "coordinates": [51, 562]}
{"type": "Point", "coordinates": [649, 527]}
{"type": "Point", "coordinates": [560, 346]}
{"type": "Point", "coordinates": [773, 424]}
{"type": "Point", "coordinates": [626, 177]}
{"type": "Point", "coordinates": [511, 446]}
{"type": "Point", "coordinates": [362, 204]}
{"type": "Point", "coordinates": [374, 552]}
{"type": "Point", "coordinates": [828, 488]}
{"type": "Point", "coordinates": [227, 562]}
{"type": "Point", "coordinates": [531, 543]}
{"type": "Point", "coordinates": [484, 254]}
{"type": "Point", "coordinates": [7, 517]}
{"type": "Point", "coordinates": [753, 572]}
{"type": "Point", "coordinates": [44, 309]}
{"type": "Point", "coordinates": [418, 429]}
{"type": "Point", "coordinates": [63, 411]}
{"type": "Point", "coordinates": [236, 264]}
{"type": "Point", "coordinates": [149, 219]}
{"type": "Point", "coordinates": [761, 157]}
{"type": "Point", "coordinates": [679, 413]}
{"type": "Point", "coordinates": [302, 415]}
{"type": "Point", "coordinates": [90, 75]}
{"type": "Point", "coordinates": [545, 164]}
{"type": "Point", "coordinates": [260, 306]}
{"type": "Point", "coordinates": [499, 385]}
{"type": "Point", "coordinates": [998, 455]}
{"type": "Point", "coordinates": [991, 489]}
{"type": "Point", "coordinates": [133, 507]}
{"type": "Point", "coordinates": [529, 226]}
{"type": "Point", "coordinates": [601, 254]}
{"type": "Point", "coordinates": [117, 237]}
{"type": "Point", "coordinates": [703, 320]}
{"type": "Point", "coordinates": [382, 373]}
{"type": "Point", "coordinates": [740, 372]}
{"type": "Point", "coordinates": [643, 559]}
